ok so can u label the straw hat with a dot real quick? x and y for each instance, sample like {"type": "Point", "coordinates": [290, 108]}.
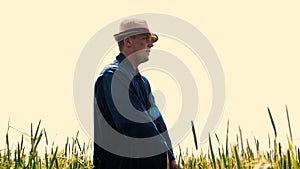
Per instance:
{"type": "Point", "coordinates": [130, 27]}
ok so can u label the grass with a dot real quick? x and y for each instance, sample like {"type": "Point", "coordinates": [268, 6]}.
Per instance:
{"type": "Point", "coordinates": [241, 155]}
{"type": "Point", "coordinates": [74, 155]}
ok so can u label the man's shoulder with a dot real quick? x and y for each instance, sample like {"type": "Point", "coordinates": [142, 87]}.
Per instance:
{"type": "Point", "coordinates": [113, 70]}
{"type": "Point", "coordinates": [107, 72]}
{"type": "Point", "coordinates": [109, 69]}
{"type": "Point", "coordinates": [144, 79]}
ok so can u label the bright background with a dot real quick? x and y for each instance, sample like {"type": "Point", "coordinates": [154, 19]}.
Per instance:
{"type": "Point", "coordinates": [257, 43]}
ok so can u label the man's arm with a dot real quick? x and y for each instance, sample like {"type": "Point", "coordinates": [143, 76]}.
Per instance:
{"type": "Point", "coordinates": [159, 121]}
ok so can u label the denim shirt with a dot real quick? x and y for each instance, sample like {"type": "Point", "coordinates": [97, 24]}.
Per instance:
{"type": "Point", "coordinates": [134, 116]}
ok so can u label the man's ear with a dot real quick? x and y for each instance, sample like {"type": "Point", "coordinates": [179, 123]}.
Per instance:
{"type": "Point", "coordinates": [127, 41]}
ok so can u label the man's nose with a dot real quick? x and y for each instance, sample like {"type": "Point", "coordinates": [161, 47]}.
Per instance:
{"type": "Point", "coordinates": [150, 44]}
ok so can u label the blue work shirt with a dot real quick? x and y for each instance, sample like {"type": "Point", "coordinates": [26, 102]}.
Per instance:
{"type": "Point", "coordinates": [124, 101]}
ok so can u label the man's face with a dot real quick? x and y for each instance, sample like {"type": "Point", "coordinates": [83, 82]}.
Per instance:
{"type": "Point", "coordinates": [141, 47]}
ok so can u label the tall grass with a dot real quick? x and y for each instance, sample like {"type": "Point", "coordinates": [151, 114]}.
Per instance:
{"type": "Point", "coordinates": [73, 156]}
{"type": "Point", "coordinates": [240, 155]}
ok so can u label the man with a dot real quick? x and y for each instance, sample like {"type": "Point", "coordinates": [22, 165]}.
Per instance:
{"type": "Point", "coordinates": [126, 115]}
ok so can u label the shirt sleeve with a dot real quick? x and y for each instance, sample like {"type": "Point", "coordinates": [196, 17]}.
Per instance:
{"type": "Point", "coordinates": [159, 121]}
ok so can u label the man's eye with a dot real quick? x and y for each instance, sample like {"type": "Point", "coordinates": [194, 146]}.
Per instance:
{"type": "Point", "coordinates": [146, 38]}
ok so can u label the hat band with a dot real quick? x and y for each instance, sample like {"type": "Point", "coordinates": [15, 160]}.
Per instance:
{"type": "Point", "coordinates": [120, 36]}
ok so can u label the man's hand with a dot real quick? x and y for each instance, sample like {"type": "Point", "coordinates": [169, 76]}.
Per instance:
{"type": "Point", "coordinates": [174, 165]}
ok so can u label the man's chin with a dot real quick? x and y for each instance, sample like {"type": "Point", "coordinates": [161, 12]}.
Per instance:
{"type": "Point", "coordinates": [144, 60]}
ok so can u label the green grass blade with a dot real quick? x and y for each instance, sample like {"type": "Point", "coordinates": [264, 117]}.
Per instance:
{"type": "Point", "coordinates": [224, 159]}
{"type": "Point", "coordinates": [292, 153]}
{"type": "Point", "coordinates": [242, 144]}
{"type": "Point", "coordinates": [66, 147]}
{"type": "Point", "coordinates": [212, 153]}
{"type": "Point", "coordinates": [257, 146]}
{"type": "Point", "coordinates": [237, 142]}
{"type": "Point", "coordinates": [8, 148]}
{"type": "Point", "coordinates": [15, 161]}
{"type": "Point", "coordinates": [194, 135]}
{"type": "Point", "coordinates": [289, 123]}
{"type": "Point", "coordinates": [227, 143]}
{"type": "Point", "coordinates": [37, 130]}
{"type": "Point", "coordinates": [217, 139]}
{"type": "Point", "coordinates": [46, 136]}
{"type": "Point", "coordinates": [53, 158]}
{"type": "Point", "coordinates": [275, 150]}
{"type": "Point", "coordinates": [236, 155]}
{"type": "Point", "coordinates": [180, 160]}
{"type": "Point", "coordinates": [31, 133]}
{"type": "Point", "coordinates": [19, 154]}
{"type": "Point", "coordinates": [37, 141]}
{"type": "Point", "coordinates": [284, 161]}
{"type": "Point", "coordinates": [56, 163]}
{"type": "Point", "coordinates": [219, 160]}
{"type": "Point", "coordinates": [272, 121]}
{"type": "Point", "coordinates": [289, 159]}
{"type": "Point", "coordinates": [269, 141]}
{"type": "Point", "coordinates": [250, 155]}
{"type": "Point", "coordinates": [22, 141]}
{"type": "Point", "coordinates": [77, 142]}
{"type": "Point", "coordinates": [298, 155]}
{"type": "Point", "coordinates": [279, 149]}
{"type": "Point", "coordinates": [46, 159]}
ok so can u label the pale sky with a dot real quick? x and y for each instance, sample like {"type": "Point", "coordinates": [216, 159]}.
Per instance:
{"type": "Point", "coordinates": [257, 44]}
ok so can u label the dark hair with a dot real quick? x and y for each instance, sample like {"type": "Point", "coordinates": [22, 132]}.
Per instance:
{"type": "Point", "coordinates": [121, 44]}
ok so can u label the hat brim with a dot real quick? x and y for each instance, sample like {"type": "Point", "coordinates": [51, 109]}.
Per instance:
{"type": "Point", "coordinates": [120, 36]}
{"type": "Point", "coordinates": [154, 37]}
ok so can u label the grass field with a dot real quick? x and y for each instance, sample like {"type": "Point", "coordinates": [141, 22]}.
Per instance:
{"type": "Point", "coordinates": [241, 155]}
{"type": "Point", "coordinates": [72, 156]}
{"type": "Point", "coordinates": [229, 155]}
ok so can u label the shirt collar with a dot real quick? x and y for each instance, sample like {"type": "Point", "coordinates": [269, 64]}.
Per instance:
{"type": "Point", "coordinates": [120, 57]}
